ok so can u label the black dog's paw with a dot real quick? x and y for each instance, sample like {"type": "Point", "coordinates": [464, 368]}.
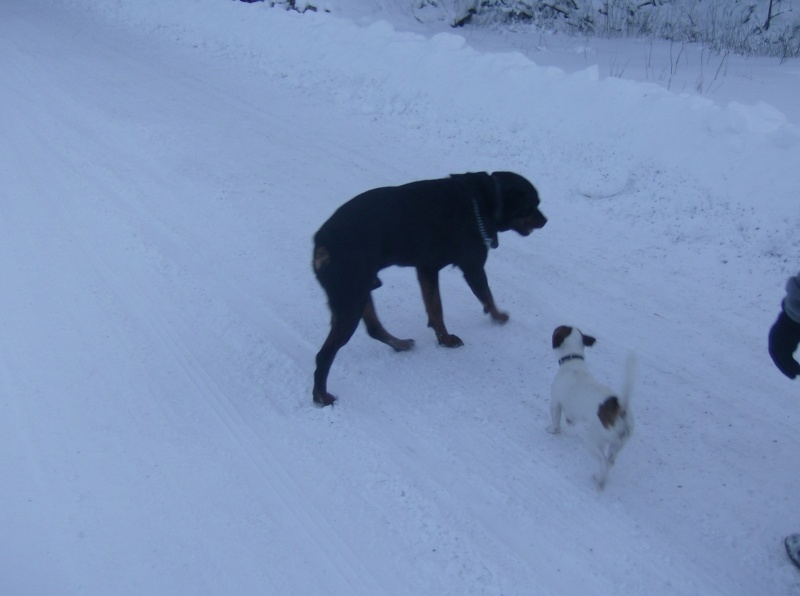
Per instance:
{"type": "Point", "coordinates": [322, 399]}
{"type": "Point", "coordinates": [402, 345]}
{"type": "Point", "coordinates": [498, 316]}
{"type": "Point", "coordinates": [450, 341]}
{"type": "Point", "coordinates": [501, 318]}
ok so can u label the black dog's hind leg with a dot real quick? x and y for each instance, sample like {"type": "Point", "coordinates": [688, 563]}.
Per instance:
{"type": "Point", "coordinates": [343, 325]}
{"type": "Point", "coordinates": [429, 283]}
{"type": "Point", "coordinates": [377, 331]}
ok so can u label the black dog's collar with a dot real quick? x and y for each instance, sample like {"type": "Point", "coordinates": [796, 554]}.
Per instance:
{"type": "Point", "coordinates": [570, 357]}
{"type": "Point", "coordinates": [482, 227]}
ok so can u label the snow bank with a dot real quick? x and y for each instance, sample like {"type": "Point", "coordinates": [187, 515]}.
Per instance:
{"type": "Point", "coordinates": [443, 85]}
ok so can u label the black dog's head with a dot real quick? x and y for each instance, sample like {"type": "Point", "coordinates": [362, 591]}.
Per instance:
{"type": "Point", "coordinates": [518, 204]}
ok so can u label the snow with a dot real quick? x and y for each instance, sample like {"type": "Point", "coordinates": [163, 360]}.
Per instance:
{"type": "Point", "coordinates": [163, 167]}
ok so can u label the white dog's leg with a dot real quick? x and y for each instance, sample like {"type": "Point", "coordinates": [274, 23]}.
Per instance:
{"type": "Point", "coordinates": [602, 475]}
{"type": "Point", "coordinates": [600, 479]}
{"type": "Point", "coordinates": [555, 414]}
{"type": "Point", "coordinates": [606, 455]}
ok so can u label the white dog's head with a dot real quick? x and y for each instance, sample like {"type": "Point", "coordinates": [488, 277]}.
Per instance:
{"type": "Point", "coordinates": [569, 342]}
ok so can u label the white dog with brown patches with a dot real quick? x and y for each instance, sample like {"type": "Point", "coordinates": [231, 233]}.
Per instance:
{"type": "Point", "coordinates": [577, 395]}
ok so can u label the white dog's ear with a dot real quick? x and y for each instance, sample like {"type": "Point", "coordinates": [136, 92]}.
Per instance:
{"type": "Point", "coordinates": [588, 341]}
{"type": "Point", "coordinates": [559, 335]}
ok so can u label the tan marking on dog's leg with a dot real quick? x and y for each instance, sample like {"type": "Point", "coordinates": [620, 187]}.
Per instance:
{"type": "Point", "coordinates": [429, 284]}
{"type": "Point", "coordinates": [377, 331]}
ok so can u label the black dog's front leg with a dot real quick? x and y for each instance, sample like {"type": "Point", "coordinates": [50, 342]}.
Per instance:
{"type": "Point", "coordinates": [429, 283]}
{"type": "Point", "coordinates": [476, 279]}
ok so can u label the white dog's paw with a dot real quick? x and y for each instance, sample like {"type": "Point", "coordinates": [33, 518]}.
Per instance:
{"type": "Point", "coordinates": [553, 430]}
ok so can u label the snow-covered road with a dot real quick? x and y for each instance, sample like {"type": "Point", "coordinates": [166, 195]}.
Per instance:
{"type": "Point", "coordinates": [159, 320]}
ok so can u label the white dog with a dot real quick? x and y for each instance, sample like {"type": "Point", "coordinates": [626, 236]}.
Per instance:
{"type": "Point", "coordinates": [577, 395]}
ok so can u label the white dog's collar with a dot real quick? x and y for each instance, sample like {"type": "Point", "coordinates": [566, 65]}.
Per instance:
{"type": "Point", "coordinates": [570, 357]}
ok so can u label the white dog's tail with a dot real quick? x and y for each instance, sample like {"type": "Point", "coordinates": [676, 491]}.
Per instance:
{"type": "Point", "coordinates": [627, 381]}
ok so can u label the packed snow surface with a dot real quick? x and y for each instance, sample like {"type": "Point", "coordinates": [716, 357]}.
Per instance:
{"type": "Point", "coordinates": [163, 167]}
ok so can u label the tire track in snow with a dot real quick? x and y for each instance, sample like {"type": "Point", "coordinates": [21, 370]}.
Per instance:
{"type": "Point", "coordinates": [170, 332]}
{"type": "Point", "coordinates": [124, 269]}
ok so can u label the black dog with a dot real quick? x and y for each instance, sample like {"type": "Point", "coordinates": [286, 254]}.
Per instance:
{"type": "Point", "coordinates": [427, 225]}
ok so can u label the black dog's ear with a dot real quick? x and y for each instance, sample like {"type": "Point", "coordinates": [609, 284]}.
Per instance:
{"type": "Point", "coordinates": [559, 335]}
{"type": "Point", "coordinates": [588, 341]}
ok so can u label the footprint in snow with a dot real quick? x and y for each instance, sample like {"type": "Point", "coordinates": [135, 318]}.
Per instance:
{"type": "Point", "coordinates": [605, 183]}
